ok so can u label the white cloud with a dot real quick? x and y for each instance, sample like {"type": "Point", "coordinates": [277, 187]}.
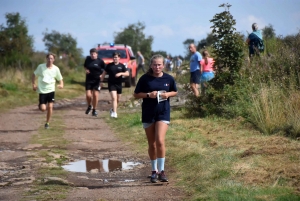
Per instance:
{"type": "Point", "coordinates": [160, 31]}
{"type": "Point", "coordinates": [195, 31]}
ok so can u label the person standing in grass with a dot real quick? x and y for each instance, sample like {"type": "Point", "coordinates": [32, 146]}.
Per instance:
{"type": "Point", "coordinates": [178, 62]}
{"type": "Point", "coordinates": [115, 70]}
{"type": "Point", "coordinates": [47, 74]}
{"type": "Point", "coordinates": [254, 40]}
{"type": "Point", "coordinates": [195, 69]}
{"type": "Point", "coordinates": [207, 70]}
{"type": "Point", "coordinates": [155, 88]}
{"type": "Point", "coordinates": [141, 61]}
{"type": "Point", "coordinates": [94, 67]}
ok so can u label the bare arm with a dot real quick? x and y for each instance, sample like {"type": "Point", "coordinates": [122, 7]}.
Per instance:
{"type": "Point", "coordinates": [201, 67]}
{"type": "Point", "coordinates": [34, 86]}
{"type": "Point", "coordinates": [102, 76]}
{"type": "Point", "coordinates": [61, 84]}
{"type": "Point", "coordinates": [123, 74]}
{"type": "Point", "coordinates": [87, 71]}
{"type": "Point", "coordinates": [153, 94]}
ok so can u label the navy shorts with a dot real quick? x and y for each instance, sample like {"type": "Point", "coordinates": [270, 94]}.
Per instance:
{"type": "Point", "coordinates": [92, 84]}
{"type": "Point", "coordinates": [195, 77]}
{"type": "Point", "coordinates": [115, 87]}
{"type": "Point", "coordinates": [46, 98]}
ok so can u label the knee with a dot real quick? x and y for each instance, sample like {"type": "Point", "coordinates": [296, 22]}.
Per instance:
{"type": "Point", "coordinates": [88, 95]}
{"type": "Point", "coordinates": [160, 144]}
{"type": "Point", "coordinates": [152, 146]}
{"type": "Point", "coordinates": [42, 107]}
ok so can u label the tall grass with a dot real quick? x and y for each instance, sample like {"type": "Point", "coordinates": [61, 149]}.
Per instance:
{"type": "Point", "coordinates": [272, 83]}
{"type": "Point", "coordinates": [265, 92]}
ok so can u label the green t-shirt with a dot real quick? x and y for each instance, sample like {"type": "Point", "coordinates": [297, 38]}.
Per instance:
{"type": "Point", "coordinates": [47, 78]}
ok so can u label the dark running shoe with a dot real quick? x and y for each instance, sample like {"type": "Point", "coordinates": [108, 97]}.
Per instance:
{"type": "Point", "coordinates": [94, 113]}
{"type": "Point", "coordinates": [46, 125]}
{"type": "Point", "coordinates": [162, 177]}
{"type": "Point", "coordinates": [153, 177]}
{"type": "Point", "coordinates": [88, 110]}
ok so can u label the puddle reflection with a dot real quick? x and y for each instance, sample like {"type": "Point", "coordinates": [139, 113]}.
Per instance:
{"type": "Point", "coordinates": [106, 165]}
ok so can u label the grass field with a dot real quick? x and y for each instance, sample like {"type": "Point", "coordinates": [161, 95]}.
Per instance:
{"type": "Point", "coordinates": [219, 159]}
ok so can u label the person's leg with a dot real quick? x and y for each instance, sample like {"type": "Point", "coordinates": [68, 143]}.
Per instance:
{"type": "Point", "coordinates": [143, 68]}
{"type": "Point", "coordinates": [150, 133]}
{"type": "Point", "coordinates": [89, 97]}
{"type": "Point", "coordinates": [43, 107]}
{"type": "Point", "coordinates": [114, 99]}
{"type": "Point", "coordinates": [42, 102]}
{"type": "Point", "coordinates": [95, 94]}
{"type": "Point", "coordinates": [160, 134]}
{"type": "Point", "coordinates": [118, 100]}
{"type": "Point", "coordinates": [50, 100]}
{"type": "Point", "coordinates": [49, 111]}
{"type": "Point", "coordinates": [194, 80]}
{"type": "Point", "coordinates": [119, 93]}
{"type": "Point", "coordinates": [195, 90]}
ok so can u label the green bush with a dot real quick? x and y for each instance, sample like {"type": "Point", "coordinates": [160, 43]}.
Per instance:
{"type": "Point", "coordinates": [265, 90]}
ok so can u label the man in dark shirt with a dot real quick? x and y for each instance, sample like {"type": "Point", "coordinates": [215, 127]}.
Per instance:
{"type": "Point", "coordinates": [115, 70]}
{"type": "Point", "coordinates": [94, 68]}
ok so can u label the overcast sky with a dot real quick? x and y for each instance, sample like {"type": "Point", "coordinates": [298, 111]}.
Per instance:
{"type": "Point", "coordinates": [170, 22]}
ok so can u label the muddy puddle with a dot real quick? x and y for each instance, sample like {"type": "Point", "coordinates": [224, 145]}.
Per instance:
{"type": "Point", "coordinates": [106, 165]}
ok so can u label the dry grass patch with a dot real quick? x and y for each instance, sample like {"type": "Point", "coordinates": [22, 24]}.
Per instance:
{"type": "Point", "coordinates": [230, 151]}
{"type": "Point", "coordinates": [219, 159]}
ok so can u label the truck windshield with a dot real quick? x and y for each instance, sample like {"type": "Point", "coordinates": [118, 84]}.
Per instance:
{"type": "Point", "coordinates": [108, 53]}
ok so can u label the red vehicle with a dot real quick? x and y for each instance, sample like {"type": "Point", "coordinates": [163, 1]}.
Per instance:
{"type": "Point", "coordinates": [105, 53]}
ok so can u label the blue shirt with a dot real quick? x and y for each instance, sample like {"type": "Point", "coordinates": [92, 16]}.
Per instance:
{"type": "Point", "coordinates": [178, 62]}
{"type": "Point", "coordinates": [151, 109]}
{"type": "Point", "coordinates": [194, 61]}
{"type": "Point", "coordinates": [253, 40]}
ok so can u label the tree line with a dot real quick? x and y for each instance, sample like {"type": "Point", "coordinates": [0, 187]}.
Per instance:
{"type": "Point", "coordinates": [17, 46]}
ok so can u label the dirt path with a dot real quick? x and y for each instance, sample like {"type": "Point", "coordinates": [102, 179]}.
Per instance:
{"type": "Point", "coordinates": [91, 144]}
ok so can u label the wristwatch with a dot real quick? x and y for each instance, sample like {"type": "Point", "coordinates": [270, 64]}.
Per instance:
{"type": "Point", "coordinates": [148, 95]}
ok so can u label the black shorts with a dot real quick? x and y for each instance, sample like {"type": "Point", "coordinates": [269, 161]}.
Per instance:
{"type": "Point", "coordinates": [115, 87]}
{"type": "Point", "coordinates": [92, 84]}
{"type": "Point", "coordinates": [195, 77]}
{"type": "Point", "coordinates": [46, 98]}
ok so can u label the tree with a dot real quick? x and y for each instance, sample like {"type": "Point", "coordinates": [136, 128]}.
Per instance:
{"type": "Point", "coordinates": [62, 45]}
{"type": "Point", "coordinates": [186, 44]}
{"type": "Point", "coordinates": [268, 32]}
{"type": "Point", "coordinates": [228, 48]}
{"type": "Point", "coordinates": [16, 45]}
{"type": "Point", "coordinates": [161, 52]}
{"type": "Point", "coordinates": [208, 41]}
{"type": "Point", "coordinates": [227, 51]}
{"type": "Point", "coordinates": [134, 36]}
